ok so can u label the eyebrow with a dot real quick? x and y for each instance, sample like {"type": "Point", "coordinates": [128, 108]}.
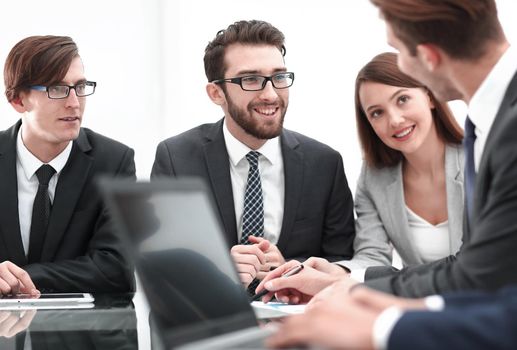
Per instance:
{"type": "Point", "coordinates": [391, 97]}
{"type": "Point", "coordinates": [75, 83]}
{"type": "Point", "coordinates": [257, 72]}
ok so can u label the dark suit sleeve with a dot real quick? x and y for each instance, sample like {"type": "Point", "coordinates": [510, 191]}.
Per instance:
{"type": "Point", "coordinates": [339, 226]}
{"type": "Point", "coordinates": [482, 322]}
{"type": "Point", "coordinates": [162, 162]}
{"type": "Point", "coordinates": [104, 267]}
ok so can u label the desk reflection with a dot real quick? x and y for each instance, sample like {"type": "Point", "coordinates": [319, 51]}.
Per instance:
{"type": "Point", "coordinates": [111, 324]}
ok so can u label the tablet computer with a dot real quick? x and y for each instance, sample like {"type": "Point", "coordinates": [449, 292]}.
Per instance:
{"type": "Point", "coordinates": [46, 301]}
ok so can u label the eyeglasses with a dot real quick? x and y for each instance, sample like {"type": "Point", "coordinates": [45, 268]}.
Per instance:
{"type": "Point", "coordinates": [56, 92]}
{"type": "Point", "coordinates": [258, 82]}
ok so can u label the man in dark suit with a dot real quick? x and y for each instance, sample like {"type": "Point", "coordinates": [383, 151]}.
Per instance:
{"type": "Point", "coordinates": [465, 56]}
{"type": "Point", "coordinates": [305, 206]}
{"type": "Point", "coordinates": [55, 234]}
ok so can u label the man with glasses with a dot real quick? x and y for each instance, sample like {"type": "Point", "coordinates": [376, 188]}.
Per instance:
{"type": "Point", "coordinates": [280, 195]}
{"type": "Point", "coordinates": [55, 235]}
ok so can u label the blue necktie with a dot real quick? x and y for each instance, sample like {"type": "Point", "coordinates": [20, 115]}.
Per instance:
{"type": "Point", "coordinates": [470, 169]}
{"type": "Point", "coordinates": [253, 214]}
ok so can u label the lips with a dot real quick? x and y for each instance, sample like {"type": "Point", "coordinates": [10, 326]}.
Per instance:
{"type": "Point", "coordinates": [69, 119]}
{"type": "Point", "coordinates": [404, 133]}
{"type": "Point", "coordinates": [266, 111]}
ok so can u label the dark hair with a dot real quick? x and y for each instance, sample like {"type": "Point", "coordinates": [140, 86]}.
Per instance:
{"type": "Point", "coordinates": [462, 28]}
{"type": "Point", "coordinates": [37, 60]}
{"type": "Point", "coordinates": [243, 32]}
{"type": "Point", "coordinates": [383, 69]}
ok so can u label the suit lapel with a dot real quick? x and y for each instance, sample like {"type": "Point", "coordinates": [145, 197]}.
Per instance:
{"type": "Point", "coordinates": [70, 185]}
{"type": "Point", "coordinates": [455, 198]}
{"type": "Point", "coordinates": [394, 197]}
{"type": "Point", "coordinates": [293, 174]}
{"type": "Point", "coordinates": [509, 102]}
{"type": "Point", "coordinates": [218, 165]}
{"type": "Point", "coordinates": [9, 222]}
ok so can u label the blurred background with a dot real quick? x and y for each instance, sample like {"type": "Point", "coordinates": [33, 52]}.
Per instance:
{"type": "Point", "coordinates": [147, 58]}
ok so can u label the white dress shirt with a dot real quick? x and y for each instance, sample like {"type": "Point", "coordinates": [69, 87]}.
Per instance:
{"type": "Point", "coordinates": [26, 166]}
{"type": "Point", "coordinates": [482, 110]}
{"type": "Point", "coordinates": [486, 101]}
{"type": "Point", "coordinates": [271, 168]}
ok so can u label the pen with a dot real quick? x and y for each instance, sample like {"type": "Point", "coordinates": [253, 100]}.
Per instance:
{"type": "Point", "coordinates": [292, 271]}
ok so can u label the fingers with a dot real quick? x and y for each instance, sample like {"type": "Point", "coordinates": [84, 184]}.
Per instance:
{"type": "Point", "coordinates": [277, 273]}
{"type": "Point", "coordinates": [12, 323]}
{"type": "Point", "coordinates": [293, 332]}
{"type": "Point", "coordinates": [13, 279]}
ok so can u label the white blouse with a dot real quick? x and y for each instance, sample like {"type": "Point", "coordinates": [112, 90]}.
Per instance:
{"type": "Point", "coordinates": [431, 241]}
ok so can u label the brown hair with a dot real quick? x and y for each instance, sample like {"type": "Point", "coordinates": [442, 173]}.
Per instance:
{"type": "Point", "coordinates": [37, 60]}
{"type": "Point", "coordinates": [383, 69]}
{"type": "Point", "coordinates": [243, 32]}
{"type": "Point", "coordinates": [462, 28]}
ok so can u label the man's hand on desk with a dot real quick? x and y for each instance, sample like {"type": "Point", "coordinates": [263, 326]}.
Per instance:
{"type": "Point", "coordinates": [14, 322]}
{"type": "Point", "coordinates": [273, 256]}
{"type": "Point", "coordinates": [301, 287]}
{"type": "Point", "coordinates": [14, 280]}
{"type": "Point", "coordinates": [340, 321]}
{"type": "Point", "coordinates": [249, 260]}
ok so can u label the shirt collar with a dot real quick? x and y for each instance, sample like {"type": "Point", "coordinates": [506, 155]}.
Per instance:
{"type": "Point", "coordinates": [237, 151]}
{"type": "Point", "coordinates": [487, 100]}
{"type": "Point", "coordinates": [30, 163]}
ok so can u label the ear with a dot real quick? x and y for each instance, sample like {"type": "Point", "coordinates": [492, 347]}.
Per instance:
{"type": "Point", "coordinates": [430, 55]}
{"type": "Point", "coordinates": [18, 104]}
{"type": "Point", "coordinates": [216, 94]}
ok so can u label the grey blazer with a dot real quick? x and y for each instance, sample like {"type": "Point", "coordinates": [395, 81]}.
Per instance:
{"type": "Point", "coordinates": [382, 219]}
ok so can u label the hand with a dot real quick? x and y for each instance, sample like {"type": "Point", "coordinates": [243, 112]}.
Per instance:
{"type": "Point", "coordinates": [317, 274]}
{"type": "Point", "coordinates": [14, 322]}
{"type": "Point", "coordinates": [14, 280]}
{"type": "Point", "coordinates": [335, 324]}
{"type": "Point", "coordinates": [273, 257]}
{"type": "Point", "coordinates": [334, 291]}
{"type": "Point", "coordinates": [249, 260]}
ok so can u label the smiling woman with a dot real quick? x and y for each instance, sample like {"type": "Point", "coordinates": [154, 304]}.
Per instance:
{"type": "Point", "coordinates": [409, 194]}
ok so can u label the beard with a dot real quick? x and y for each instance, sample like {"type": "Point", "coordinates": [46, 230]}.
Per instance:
{"type": "Point", "coordinates": [256, 126]}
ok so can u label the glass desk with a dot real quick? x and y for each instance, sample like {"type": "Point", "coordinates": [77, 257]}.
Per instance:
{"type": "Point", "coordinates": [111, 324]}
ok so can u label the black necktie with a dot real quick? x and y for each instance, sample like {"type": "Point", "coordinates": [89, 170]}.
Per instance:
{"type": "Point", "coordinates": [470, 169]}
{"type": "Point", "coordinates": [40, 213]}
{"type": "Point", "coordinates": [253, 213]}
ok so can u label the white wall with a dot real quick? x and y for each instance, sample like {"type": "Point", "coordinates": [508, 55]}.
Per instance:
{"type": "Point", "coordinates": [146, 56]}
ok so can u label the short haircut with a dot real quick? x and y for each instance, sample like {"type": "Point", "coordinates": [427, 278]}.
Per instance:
{"type": "Point", "coordinates": [37, 60]}
{"type": "Point", "coordinates": [252, 32]}
{"type": "Point", "coordinates": [461, 28]}
{"type": "Point", "coordinates": [383, 69]}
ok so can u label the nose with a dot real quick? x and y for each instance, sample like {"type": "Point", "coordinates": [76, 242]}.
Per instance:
{"type": "Point", "coordinates": [268, 93]}
{"type": "Point", "coordinates": [72, 100]}
{"type": "Point", "coordinates": [396, 118]}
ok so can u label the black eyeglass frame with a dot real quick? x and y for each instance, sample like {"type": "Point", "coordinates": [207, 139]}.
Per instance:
{"type": "Point", "coordinates": [238, 80]}
{"type": "Point", "coordinates": [70, 87]}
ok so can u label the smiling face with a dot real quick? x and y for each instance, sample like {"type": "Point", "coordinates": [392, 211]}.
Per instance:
{"type": "Point", "coordinates": [255, 114]}
{"type": "Point", "coordinates": [401, 117]}
{"type": "Point", "coordinates": [49, 123]}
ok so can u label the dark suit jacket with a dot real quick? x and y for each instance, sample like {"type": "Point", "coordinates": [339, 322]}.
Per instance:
{"type": "Point", "coordinates": [487, 257]}
{"type": "Point", "coordinates": [80, 253]}
{"type": "Point", "coordinates": [318, 209]}
{"type": "Point", "coordinates": [470, 321]}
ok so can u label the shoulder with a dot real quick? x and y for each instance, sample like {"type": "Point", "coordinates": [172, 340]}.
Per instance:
{"type": "Point", "coordinates": [194, 137]}
{"type": "Point", "coordinates": [308, 145]}
{"type": "Point", "coordinates": [92, 141]}
{"type": "Point", "coordinates": [373, 177]}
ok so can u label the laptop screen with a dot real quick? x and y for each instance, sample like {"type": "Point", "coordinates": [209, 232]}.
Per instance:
{"type": "Point", "coordinates": [181, 257]}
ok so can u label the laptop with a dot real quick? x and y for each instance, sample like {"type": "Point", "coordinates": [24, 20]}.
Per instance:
{"type": "Point", "coordinates": [187, 274]}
